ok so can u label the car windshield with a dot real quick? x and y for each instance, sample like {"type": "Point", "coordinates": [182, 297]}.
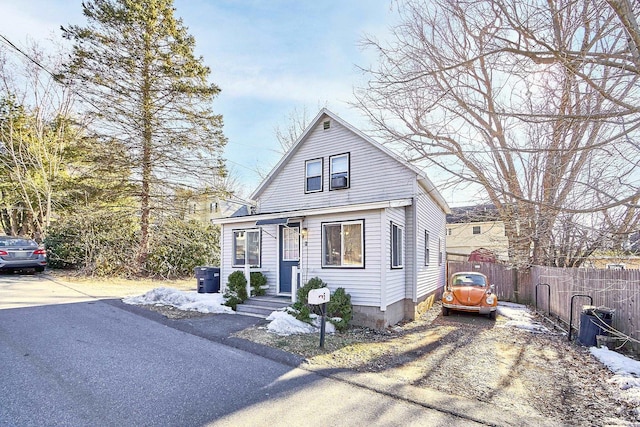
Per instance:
{"type": "Point", "coordinates": [17, 242]}
{"type": "Point", "coordinates": [468, 280]}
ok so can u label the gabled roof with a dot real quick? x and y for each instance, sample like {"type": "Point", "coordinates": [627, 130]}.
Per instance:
{"type": "Point", "coordinates": [426, 184]}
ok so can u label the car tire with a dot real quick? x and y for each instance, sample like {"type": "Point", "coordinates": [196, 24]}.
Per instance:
{"type": "Point", "coordinates": [445, 311]}
{"type": "Point", "coordinates": [39, 269]}
{"type": "Point", "coordinates": [492, 315]}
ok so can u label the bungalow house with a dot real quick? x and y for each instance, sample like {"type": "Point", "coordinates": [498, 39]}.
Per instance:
{"type": "Point", "coordinates": [341, 207]}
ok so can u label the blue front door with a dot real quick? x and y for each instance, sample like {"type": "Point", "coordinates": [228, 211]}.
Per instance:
{"type": "Point", "coordinates": [289, 236]}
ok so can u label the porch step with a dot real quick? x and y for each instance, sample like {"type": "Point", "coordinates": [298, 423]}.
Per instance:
{"type": "Point", "coordinates": [262, 306]}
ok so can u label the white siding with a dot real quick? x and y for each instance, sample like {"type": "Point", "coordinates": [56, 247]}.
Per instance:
{"type": "Point", "coordinates": [430, 218]}
{"type": "Point", "coordinates": [362, 283]}
{"type": "Point", "coordinates": [373, 175]}
{"type": "Point", "coordinates": [395, 277]}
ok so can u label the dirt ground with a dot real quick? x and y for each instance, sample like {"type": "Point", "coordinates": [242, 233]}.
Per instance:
{"type": "Point", "coordinates": [473, 357]}
{"type": "Point", "coordinates": [462, 354]}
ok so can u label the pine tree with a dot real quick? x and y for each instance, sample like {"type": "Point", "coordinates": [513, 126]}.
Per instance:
{"type": "Point", "coordinates": [134, 66]}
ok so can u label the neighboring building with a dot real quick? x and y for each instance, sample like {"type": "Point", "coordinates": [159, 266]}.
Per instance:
{"type": "Point", "coordinates": [341, 207]}
{"type": "Point", "coordinates": [205, 208]}
{"type": "Point", "coordinates": [611, 260]}
{"type": "Point", "coordinates": [476, 228]}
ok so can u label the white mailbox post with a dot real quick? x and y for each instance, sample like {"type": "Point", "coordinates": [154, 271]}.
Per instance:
{"type": "Point", "coordinates": [320, 297]}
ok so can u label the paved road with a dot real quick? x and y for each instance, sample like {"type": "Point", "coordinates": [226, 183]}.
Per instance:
{"type": "Point", "coordinates": [69, 359]}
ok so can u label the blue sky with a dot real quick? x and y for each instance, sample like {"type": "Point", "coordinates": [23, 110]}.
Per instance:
{"type": "Point", "coordinates": [268, 57]}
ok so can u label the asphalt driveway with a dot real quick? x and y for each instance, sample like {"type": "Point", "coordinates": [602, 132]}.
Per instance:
{"type": "Point", "coordinates": [71, 359]}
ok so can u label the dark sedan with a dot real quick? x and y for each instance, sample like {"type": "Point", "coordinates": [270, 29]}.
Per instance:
{"type": "Point", "coordinates": [18, 253]}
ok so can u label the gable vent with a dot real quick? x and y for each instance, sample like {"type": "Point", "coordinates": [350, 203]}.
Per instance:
{"type": "Point", "coordinates": [326, 124]}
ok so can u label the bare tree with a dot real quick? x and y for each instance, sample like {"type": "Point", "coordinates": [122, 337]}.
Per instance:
{"type": "Point", "coordinates": [297, 122]}
{"type": "Point", "coordinates": [536, 102]}
{"type": "Point", "coordinates": [37, 131]}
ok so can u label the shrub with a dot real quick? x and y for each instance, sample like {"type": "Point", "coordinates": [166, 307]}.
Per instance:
{"type": "Point", "coordinates": [340, 306]}
{"type": "Point", "coordinates": [105, 243]}
{"type": "Point", "coordinates": [236, 291]}
{"type": "Point", "coordinates": [100, 243]}
{"type": "Point", "coordinates": [258, 280]}
{"type": "Point", "coordinates": [177, 247]}
{"type": "Point", "coordinates": [302, 300]}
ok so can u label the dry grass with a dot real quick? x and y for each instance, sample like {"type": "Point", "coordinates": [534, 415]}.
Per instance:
{"type": "Point", "coordinates": [471, 356]}
{"type": "Point", "coordinates": [119, 287]}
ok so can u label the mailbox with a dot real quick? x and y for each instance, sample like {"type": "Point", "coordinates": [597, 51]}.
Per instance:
{"type": "Point", "coordinates": [319, 296]}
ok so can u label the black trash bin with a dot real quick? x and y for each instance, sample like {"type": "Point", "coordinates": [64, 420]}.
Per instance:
{"type": "Point", "coordinates": [208, 279]}
{"type": "Point", "coordinates": [594, 321]}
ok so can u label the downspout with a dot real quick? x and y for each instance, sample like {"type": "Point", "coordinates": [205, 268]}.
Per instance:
{"type": "Point", "coordinates": [383, 260]}
{"type": "Point", "coordinates": [414, 285]}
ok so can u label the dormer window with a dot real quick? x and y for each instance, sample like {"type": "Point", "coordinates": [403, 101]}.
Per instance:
{"type": "Point", "coordinates": [339, 172]}
{"type": "Point", "coordinates": [313, 176]}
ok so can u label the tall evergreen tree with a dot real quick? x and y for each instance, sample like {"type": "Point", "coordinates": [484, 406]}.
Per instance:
{"type": "Point", "coordinates": [134, 65]}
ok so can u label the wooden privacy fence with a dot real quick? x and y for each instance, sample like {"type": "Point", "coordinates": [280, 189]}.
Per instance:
{"type": "Point", "coordinates": [615, 289]}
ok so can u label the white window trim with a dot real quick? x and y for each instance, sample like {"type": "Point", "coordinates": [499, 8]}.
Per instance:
{"type": "Point", "coordinates": [233, 246]}
{"type": "Point", "coordinates": [297, 242]}
{"type": "Point", "coordinates": [399, 229]}
{"type": "Point", "coordinates": [323, 243]}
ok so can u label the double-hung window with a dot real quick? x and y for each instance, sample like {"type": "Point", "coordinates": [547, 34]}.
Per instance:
{"type": "Point", "coordinates": [313, 176]}
{"type": "Point", "coordinates": [427, 252]}
{"type": "Point", "coordinates": [343, 244]}
{"type": "Point", "coordinates": [396, 246]}
{"type": "Point", "coordinates": [246, 247]}
{"type": "Point", "coordinates": [339, 171]}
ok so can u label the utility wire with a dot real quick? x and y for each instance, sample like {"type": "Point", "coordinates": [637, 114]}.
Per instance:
{"type": "Point", "coordinates": [56, 78]}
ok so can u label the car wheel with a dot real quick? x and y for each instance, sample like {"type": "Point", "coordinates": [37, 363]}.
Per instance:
{"type": "Point", "coordinates": [492, 315]}
{"type": "Point", "coordinates": [445, 311]}
{"type": "Point", "coordinates": [39, 269]}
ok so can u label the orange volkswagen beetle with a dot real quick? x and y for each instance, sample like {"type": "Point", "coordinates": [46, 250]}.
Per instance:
{"type": "Point", "coordinates": [470, 291]}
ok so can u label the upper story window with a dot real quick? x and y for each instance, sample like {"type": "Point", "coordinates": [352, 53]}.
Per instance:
{"type": "Point", "coordinates": [313, 176]}
{"type": "Point", "coordinates": [339, 171]}
{"type": "Point", "coordinates": [476, 229]}
{"type": "Point", "coordinates": [343, 244]}
{"type": "Point", "coordinates": [246, 247]}
{"type": "Point", "coordinates": [396, 246]}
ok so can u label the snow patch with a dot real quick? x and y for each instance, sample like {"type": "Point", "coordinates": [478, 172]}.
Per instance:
{"type": "Point", "coordinates": [182, 300]}
{"type": "Point", "coordinates": [282, 322]}
{"type": "Point", "coordinates": [626, 374]}
{"type": "Point", "coordinates": [520, 317]}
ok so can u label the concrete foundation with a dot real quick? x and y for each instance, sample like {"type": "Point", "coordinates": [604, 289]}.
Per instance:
{"type": "Point", "coordinates": [404, 310]}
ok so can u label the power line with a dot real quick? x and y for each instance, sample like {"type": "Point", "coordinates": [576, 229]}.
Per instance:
{"type": "Point", "coordinates": [56, 78]}
{"type": "Point", "coordinates": [8, 42]}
